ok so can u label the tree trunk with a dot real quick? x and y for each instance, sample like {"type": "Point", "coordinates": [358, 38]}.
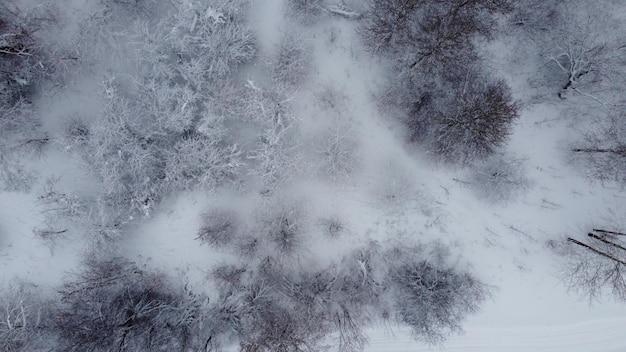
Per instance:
{"type": "Point", "coordinates": [569, 239]}
{"type": "Point", "coordinates": [604, 240]}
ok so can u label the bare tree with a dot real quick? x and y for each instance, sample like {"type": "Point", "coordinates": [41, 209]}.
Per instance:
{"type": "Point", "coordinates": [603, 149]}
{"type": "Point", "coordinates": [464, 120]}
{"type": "Point", "coordinates": [596, 264]}
{"type": "Point", "coordinates": [450, 106]}
{"type": "Point", "coordinates": [580, 47]}
{"type": "Point", "coordinates": [428, 35]}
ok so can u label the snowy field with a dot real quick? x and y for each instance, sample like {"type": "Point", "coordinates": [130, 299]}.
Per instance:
{"type": "Point", "coordinates": [338, 153]}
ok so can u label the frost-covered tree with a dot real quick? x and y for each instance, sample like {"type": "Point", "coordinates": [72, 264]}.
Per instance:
{"type": "Point", "coordinates": [291, 59]}
{"type": "Point", "coordinates": [161, 129]}
{"type": "Point", "coordinates": [273, 157]}
{"type": "Point", "coordinates": [25, 318]}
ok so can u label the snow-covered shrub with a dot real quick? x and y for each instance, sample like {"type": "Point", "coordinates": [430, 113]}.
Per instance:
{"type": "Point", "coordinates": [273, 158]}
{"type": "Point", "coordinates": [338, 152]}
{"type": "Point", "coordinates": [24, 60]}
{"type": "Point", "coordinates": [500, 178]}
{"type": "Point", "coordinates": [396, 185]}
{"type": "Point", "coordinates": [291, 59]}
{"type": "Point", "coordinates": [219, 228]}
{"type": "Point", "coordinates": [59, 210]}
{"type": "Point", "coordinates": [281, 226]}
{"type": "Point", "coordinates": [332, 226]}
{"type": "Point", "coordinates": [24, 318]}
{"type": "Point", "coordinates": [331, 98]}
{"type": "Point", "coordinates": [115, 305]}
{"type": "Point", "coordinates": [305, 11]}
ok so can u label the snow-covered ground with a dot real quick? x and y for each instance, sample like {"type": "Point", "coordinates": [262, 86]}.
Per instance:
{"type": "Point", "coordinates": [392, 192]}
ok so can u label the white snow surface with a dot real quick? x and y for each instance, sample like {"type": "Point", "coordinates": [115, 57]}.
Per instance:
{"type": "Point", "coordinates": [394, 193]}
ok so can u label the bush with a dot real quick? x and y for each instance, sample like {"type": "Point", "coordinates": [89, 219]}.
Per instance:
{"type": "Point", "coordinates": [430, 296]}
{"type": "Point", "coordinates": [219, 228]}
{"type": "Point", "coordinates": [291, 60]}
{"type": "Point", "coordinates": [338, 151]}
{"type": "Point", "coordinates": [278, 305]}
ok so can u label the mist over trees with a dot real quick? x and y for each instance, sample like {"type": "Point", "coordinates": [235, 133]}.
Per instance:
{"type": "Point", "coordinates": [185, 99]}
